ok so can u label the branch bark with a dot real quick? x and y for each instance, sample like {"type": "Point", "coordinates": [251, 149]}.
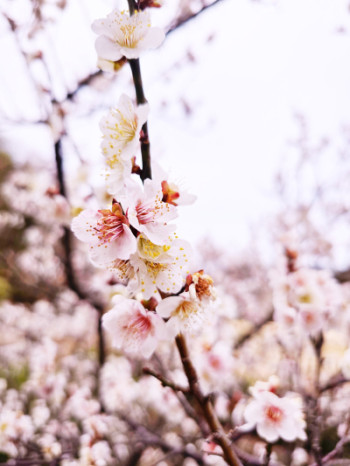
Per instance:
{"type": "Point", "coordinates": [205, 404]}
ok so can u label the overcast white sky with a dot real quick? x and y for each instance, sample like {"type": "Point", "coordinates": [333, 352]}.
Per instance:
{"type": "Point", "coordinates": [265, 62]}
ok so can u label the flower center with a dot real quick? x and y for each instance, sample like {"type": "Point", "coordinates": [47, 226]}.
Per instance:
{"type": "Point", "coordinates": [273, 413]}
{"type": "Point", "coordinates": [139, 326]}
{"type": "Point", "coordinates": [151, 210]}
{"type": "Point", "coordinates": [185, 310]}
{"type": "Point", "coordinates": [110, 224]}
{"type": "Point", "coordinates": [144, 213]}
{"type": "Point", "coordinates": [151, 250]}
{"type": "Point", "coordinates": [128, 38]}
{"type": "Point", "coordinates": [154, 268]}
{"type": "Point", "coordinates": [122, 129]}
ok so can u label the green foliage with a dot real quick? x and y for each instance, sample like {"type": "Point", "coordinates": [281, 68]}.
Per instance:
{"type": "Point", "coordinates": [15, 376]}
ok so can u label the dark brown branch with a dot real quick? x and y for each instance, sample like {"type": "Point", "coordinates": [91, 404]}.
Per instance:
{"type": "Point", "coordinates": [144, 140]}
{"type": "Point", "coordinates": [205, 404]}
{"type": "Point", "coordinates": [268, 454]}
{"type": "Point", "coordinates": [334, 382]}
{"type": "Point", "coordinates": [164, 381]}
{"type": "Point", "coordinates": [69, 270]}
{"type": "Point", "coordinates": [342, 277]}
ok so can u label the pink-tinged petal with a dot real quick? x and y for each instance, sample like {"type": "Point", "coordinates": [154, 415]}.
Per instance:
{"type": "Point", "coordinates": [253, 412]}
{"type": "Point", "coordinates": [160, 327]}
{"type": "Point", "coordinates": [107, 49]}
{"type": "Point", "coordinates": [121, 248]}
{"type": "Point", "coordinates": [132, 328]}
{"type": "Point", "coordinates": [83, 226]}
{"type": "Point", "coordinates": [110, 320]}
{"type": "Point", "coordinates": [151, 188]}
{"type": "Point", "coordinates": [173, 328]}
{"type": "Point", "coordinates": [170, 281]}
{"type": "Point", "coordinates": [287, 430]}
{"type": "Point", "coordinates": [157, 234]}
{"type": "Point", "coordinates": [247, 427]}
{"type": "Point", "coordinates": [168, 305]}
{"type": "Point", "coordinates": [267, 432]}
{"type": "Point", "coordinates": [186, 199]}
{"type": "Point", "coordinates": [148, 347]}
{"type": "Point", "coordinates": [153, 39]}
{"type": "Point", "coordinates": [127, 243]}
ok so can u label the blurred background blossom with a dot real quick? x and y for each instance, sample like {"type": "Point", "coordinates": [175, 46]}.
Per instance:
{"type": "Point", "coordinates": [249, 111]}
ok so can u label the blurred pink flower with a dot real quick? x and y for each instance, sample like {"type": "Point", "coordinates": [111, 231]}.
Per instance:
{"type": "Point", "coordinates": [275, 417]}
{"type": "Point", "coordinates": [132, 328]}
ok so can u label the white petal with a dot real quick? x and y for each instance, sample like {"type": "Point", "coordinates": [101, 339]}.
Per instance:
{"type": "Point", "coordinates": [100, 27]}
{"type": "Point", "coordinates": [158, 234]}
{"type": "Point", "coordinates": [253, 412]}
{"type": "Point", "coordinates": [148, 347]}
{"type": "Point", "coordinates": [173, 328]}
{"type": "Point", "coordinates": [83, 226]}
{"type": "Point", "coordinates": [131, 53]}
{"type": "Point", "coordinates": [267, 432]}
{"type": "Point", "coordinates": [153, 39]}
{"type": "Point", "coordinates": [120, 248]}
{"type": "Point", "coordinates": [107, 49]}
{"type": "Point", "coordinates": [168, 305]}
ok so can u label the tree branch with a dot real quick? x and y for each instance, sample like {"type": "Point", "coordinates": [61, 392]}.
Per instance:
{"type": "Point", "coordinates": [205, 404]}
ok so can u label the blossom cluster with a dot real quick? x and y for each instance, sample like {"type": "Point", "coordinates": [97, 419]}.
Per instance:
{"type": "Point", "coordinates": [134, 237]}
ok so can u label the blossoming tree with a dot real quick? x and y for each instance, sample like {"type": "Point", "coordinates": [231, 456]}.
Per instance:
{"type": "Point", "coordinates": [123, 351]}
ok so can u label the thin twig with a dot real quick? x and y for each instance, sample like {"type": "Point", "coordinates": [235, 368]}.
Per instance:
{"type": "Point", "coordinates": [268, 454]}
{"type": "Point", "coordinates": [334, 382]}
{"type": "Point", "coordinates": [164, 381]}
{"type": "Point", "coordinates": [312, 403]}
{"type": "Point", "coordinates": [185, 19]}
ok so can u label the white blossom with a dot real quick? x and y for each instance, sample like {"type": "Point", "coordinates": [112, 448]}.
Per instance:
{"type": "Point", "coordinates": [160, 266]}
{"type": "Point", "coordinates": [123, 35]}
{"type": "Point", "coordinates": [184, 314]}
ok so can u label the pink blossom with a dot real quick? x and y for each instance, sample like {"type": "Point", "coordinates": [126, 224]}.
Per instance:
{"type": "Point", "coordinates": [132, 328]}
{"type": "Point", "coordinates": [107, 232]}
{"type": "Point", "coordinates": [275, 417]}
{"type": "Point", "coordinates": [148, 213]}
